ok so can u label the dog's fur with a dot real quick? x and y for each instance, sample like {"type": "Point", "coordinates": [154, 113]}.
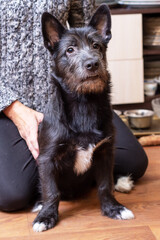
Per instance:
{"type": "Point", "coordinates": [77, 135]}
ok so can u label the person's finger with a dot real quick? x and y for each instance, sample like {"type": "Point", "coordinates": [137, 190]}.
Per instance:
{"type": "Point", "coordinates": [35, 154]}
{"type": "Point", "coordinates": [33, 147]}
{"type": "Point", "coordinates": [32, 142]}
{"type": "Point", "coordinates": [40, 117]}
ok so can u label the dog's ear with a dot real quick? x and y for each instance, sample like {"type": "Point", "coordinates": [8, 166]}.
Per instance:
{"type": "Point", "coordinates": [101, 21]}
{"type": "Point", "coordinates": [52, 30]}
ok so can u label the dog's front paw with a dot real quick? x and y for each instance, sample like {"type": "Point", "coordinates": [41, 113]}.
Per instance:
{"type": "Point", "coordinates": [41, 224]}
{"type": "Point", "coordinates": [125, 214]}
{"type": "Point", "coordinates": [118, 212]}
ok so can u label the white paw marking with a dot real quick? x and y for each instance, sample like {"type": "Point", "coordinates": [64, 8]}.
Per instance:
{"type": "Point", "coordinates": [124, 184]}
{"type": "Point", "coordinates": [39, 227]}
{"type": "Point", "coordinates": [84, 159]}
{"type": "Point", "coordinates": [37, 208]}
{"type": "Point", "coordinates": [126, 214]}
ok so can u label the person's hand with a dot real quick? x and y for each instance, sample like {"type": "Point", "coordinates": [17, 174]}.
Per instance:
{"type": "Point", "coordinates": [27, 121]}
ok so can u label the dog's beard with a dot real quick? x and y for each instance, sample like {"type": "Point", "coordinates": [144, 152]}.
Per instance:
{"type": "Point", "coordinates": [91, 86]}
{"type": "Point", "coordinates": [82, 82]}
{"type": "Point", "coordinates": [95, 84]}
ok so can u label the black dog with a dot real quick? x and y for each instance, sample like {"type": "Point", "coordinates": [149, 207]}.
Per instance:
{"type": "Point", "coordinates": [77, 135]}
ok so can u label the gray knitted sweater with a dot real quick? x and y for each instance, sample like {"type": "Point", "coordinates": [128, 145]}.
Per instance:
{"type": "Point", "coordinates": [24, 62]}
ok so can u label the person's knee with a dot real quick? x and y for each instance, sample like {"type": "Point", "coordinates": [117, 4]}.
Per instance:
{"type": "Point", "coordinates": [131, 162]}
{"type": "Point", "coordinates": [17, 198]}
{"type": "Point", "coordinates": [14, 201]}
{"type": "Point", "coordinates": [138, 164]}
{"type": "Point", "coordinates": [141, 164]}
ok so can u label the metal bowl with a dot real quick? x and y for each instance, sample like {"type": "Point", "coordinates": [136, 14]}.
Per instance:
{"type": "Point", "coordinates": [139, 118]}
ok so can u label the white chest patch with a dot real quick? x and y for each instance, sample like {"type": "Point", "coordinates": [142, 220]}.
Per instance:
{"type": "Point", "coordinates": [83, 159]}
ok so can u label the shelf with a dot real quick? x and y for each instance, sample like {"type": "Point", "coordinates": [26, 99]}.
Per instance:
{"type": "Point", "coordinates": [145, 105]}
{"type": "Point", "coordinates": [149, 99]}
{"type": "Point", "coordinates": [130, 10]}
{"type": "Point", "coordinates": [149, 52]}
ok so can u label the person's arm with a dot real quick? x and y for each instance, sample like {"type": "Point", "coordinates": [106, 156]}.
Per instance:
{"type": "Point", "coordinates": [27, 121]}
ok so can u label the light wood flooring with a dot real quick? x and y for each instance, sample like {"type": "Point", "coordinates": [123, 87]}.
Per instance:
{"type": "Point", "coordinates": [82, 220]}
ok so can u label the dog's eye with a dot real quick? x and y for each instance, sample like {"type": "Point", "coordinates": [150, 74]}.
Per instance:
{"type": "Point", "coordinates": [70, 50]}
{"type": "Point", "coordinates": [96, 46]}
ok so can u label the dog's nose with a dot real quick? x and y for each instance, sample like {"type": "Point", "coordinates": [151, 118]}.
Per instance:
{"type": "Point", "coordinates": [91, 65]}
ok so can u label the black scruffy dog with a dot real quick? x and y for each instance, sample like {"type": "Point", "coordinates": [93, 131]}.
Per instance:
{"type": "Point", "coordinates": [77, 135]}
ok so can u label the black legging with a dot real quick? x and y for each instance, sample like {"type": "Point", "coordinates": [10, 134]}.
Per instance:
{"type": "Point", "coordinates": [18, 170]}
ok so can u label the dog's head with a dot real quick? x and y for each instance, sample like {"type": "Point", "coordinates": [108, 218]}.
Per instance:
{"type": "Point", "coordinates": [80, 53]}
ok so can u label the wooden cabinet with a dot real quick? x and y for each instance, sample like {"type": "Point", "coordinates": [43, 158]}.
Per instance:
{"type": "Point", "coordinates": [125, 59]}
{"type": "Point", "coordinates": [127, 81]}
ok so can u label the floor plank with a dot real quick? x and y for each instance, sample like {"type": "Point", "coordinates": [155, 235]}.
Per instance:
{"type": "Point", "coordinates": [15, 238]}
{"type": "Point", "coordinates": [82, 219]}
{"type": "Point", "coordinates": [156, 230]}
{"type": "Point", "coordinates": [13, 224]}
{"type": "Point", "coordinates": [139, 233]}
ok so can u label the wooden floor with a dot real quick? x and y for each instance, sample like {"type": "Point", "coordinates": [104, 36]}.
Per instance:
{"type": "Point", "coordinates": [82, 220]}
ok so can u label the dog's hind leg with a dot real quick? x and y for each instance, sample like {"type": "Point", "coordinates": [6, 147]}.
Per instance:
{"type": "Point", "coordinates": [37, 207]}
{"type": "Point", "coordinates": [104, 177]}
{"type": "Point", "coordinates": [124, 184]}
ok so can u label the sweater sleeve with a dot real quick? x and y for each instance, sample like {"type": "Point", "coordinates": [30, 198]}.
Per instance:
{"type": "Point", "coordinates": [24, 62]}
{"type": "Point", "coordinates": [9, 74]}
{"type": "Point", "coordinates": [7, 96]}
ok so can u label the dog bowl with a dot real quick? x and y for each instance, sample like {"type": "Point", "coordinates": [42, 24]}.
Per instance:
{"type": "Point", "coordinates": [139, 118]}
{"type": "Point", "coordinates": [150, 88]}
{"type": "Point", "coordinates": [156, 106]}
